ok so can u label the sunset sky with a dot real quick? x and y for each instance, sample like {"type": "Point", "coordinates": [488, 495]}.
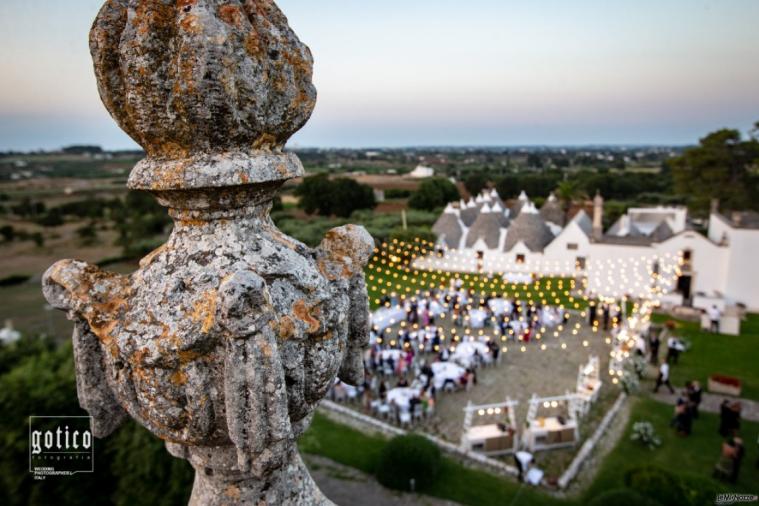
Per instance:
{"type": "Point", "coordinates": [439, 72]}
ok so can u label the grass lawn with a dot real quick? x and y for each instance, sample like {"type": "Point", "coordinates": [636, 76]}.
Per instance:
{"type": "Point", "coordinates": [712, 353]}
{"type": "Point", "coordinates": [389, 272]}
{"type": "Point", "coordinates": [692, 457]}
{"type": "Point", "coordinates": [456, 482]}
{"type": "Point", "coordinates": [695, 455]}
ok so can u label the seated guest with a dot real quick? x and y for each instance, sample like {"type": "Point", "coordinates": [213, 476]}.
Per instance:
{"type": "Point", "coordinates": [402, 383]}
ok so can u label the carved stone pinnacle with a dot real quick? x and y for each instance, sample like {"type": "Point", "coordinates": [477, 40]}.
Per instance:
{"type": "Point", "coordinates": [228, 336]}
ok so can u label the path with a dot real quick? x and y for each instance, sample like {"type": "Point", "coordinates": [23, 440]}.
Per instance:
{"type": "Point", "coordinates": [711, 403]}
{"type": "Point", "coordinates": [346, 486]}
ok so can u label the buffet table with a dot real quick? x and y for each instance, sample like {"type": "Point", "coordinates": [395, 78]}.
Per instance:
{"type": "Point", "coordinates": [489, 439]}
{"type": "Point", "coordinates": [548, 433]}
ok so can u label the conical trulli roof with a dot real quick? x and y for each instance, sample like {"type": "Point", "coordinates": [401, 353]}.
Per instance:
{"type": "Point", "coordinates": [530, 229]}
{"type": "Point", "coordinates": [662, 232]}
{"type": "Point", "coordinates": [498, 209]}
{"type": "Point", "coordinates": [448, 228]}
{"type": "Point", "coordinates": [552, 211]}
{"type": "Point", "coordinates": [470, 212]}
{"type": "Point", "coordinates": [487, 227]}
{"type": "Point", "coordinates": [522, 200]}
{"type": "Point", "coordinates": [583, 221]}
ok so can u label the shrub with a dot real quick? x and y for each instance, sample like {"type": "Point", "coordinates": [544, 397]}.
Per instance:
{"type": "Point", "coordinates": [698, 491]}
{"type": "Point", "coordinates": [645, 434]}
{"type": "Point", "coordinates": [408, 457]}
{"type": "Point", "coordinates": [434, 193]}
{"type": "Point", "coordinates": [622, 497]}
{"type": "Point", "coordinates": [657, 484]}
{"type": "Point", "coordinates": [630, 382]}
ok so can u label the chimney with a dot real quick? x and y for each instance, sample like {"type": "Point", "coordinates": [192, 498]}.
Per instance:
{"type": "Point", "coordinates": [714, 207]}
{"type": "Point", "coordinates": [598, 216]}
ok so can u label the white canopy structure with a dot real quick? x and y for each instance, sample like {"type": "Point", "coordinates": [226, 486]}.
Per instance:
{"type": "Point", "coordinates": [499, 437]}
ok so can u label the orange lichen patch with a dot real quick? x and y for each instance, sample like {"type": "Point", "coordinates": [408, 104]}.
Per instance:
{"type": "Point", "coordinates": [97, 296]}
{"type": "Point", "coordinates": [178, 377]}
{"type": "Point", "coordinates": [191, 24]}
{"type": "Point", "coordinates": [244, 178]}
{"type": "Point", "coordinates": [204, 310]}
{"type": "Point", "coordinates": [301, 311]}
{"type": "Point", "coordinates": [231, 14]}
{"type": "Point", "coordinates": [253, 45]}
{"type": "Point", "coordinates": [283, 239]}
{"type": "Point", "coordinates": [189, 356]}
{"type": "Point", "coordinates": [286, 327]}
{"type": "Point", "coordinates": [265, 142]}
{"type": "Point", "coordinates": [233, 492]}
{"type": "Point", "coordinates": [187, 222]}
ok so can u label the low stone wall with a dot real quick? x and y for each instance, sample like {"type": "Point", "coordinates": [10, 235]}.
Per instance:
{"type": "Point", "coordinates": [590, 443]}
{"type": "Point", "coordinates": [368, 424]}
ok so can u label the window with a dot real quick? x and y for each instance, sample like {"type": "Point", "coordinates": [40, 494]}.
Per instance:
{"type": "Point", "coordinates": [521, 259]}
{"type": "Point", "coordinates": [581, 263]}
{"type": "Point", "coordinates": [572, 246]}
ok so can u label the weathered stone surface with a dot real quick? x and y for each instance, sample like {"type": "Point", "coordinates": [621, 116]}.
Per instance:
{"type": "Point", "coordinates": [226, 338]}
{"type": "Point", "coordinates": [193, 78]}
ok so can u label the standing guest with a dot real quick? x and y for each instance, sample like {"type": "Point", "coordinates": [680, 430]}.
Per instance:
{"type": "Point", "coordinates": [724, 418]}
{"type": "Point", "coordinates": [695, 395]}
{"type": "Point", "coordinates": [740, 452]}
{"type": "Point", "coordinates": [725, 468]}
{"type": "Point", "coordinates": [714, 317]}
{"type": "Point", "coordinates": [592, 314]}
{"type": "Point", "coordinates": [654, 344]}
{"type": "Point", "coordinates": [383, 390]}
{"type": "Point", "coordinates": [606, 316]}
{"type": "Point", "coordinates": [663, 378]}
{"type": "Point", "coordinates": [673, 349]}
{"type": "Point", "coordinates": [682, 422]}
{"type": "Point", "coordinates": [735, 418]}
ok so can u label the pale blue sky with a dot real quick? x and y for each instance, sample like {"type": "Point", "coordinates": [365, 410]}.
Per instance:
{"type": "Point", "coordinates": [439, 72]}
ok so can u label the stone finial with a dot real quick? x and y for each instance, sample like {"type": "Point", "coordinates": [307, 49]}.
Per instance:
{"type": "Point", "coordinates": [205, 87]}
{"type": "Point", "coordinates": [226, 338]}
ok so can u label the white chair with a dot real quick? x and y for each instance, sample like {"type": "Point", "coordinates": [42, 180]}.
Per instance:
{"type": "Point", "coordinates": [405, 418]}
{"type": "Point", "coordinates": [383, 410]}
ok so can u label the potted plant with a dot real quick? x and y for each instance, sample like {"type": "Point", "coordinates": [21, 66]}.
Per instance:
{"type": "Point", "coordinates": [727, 385]}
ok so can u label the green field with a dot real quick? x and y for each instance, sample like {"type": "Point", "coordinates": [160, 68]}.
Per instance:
{"type": "Point", "coordinates": [719, 354]}
{"type": "Point", "coordinates": [390, 271]}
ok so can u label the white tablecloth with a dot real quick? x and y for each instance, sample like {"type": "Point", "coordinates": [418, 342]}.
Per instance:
{"type": "Point", "coordinates": [477, 318]}
{"type": "Point", "coordinates": [387, 317]}
{"type": "Point", "coordinates": [551, 317]}
{"type": "Point", "coordinates": [500, 306]}
{"type": "Point", "coordinates": [517, 277]}
{"type": "Point", "coordinates": [396, 355]}
{"type": "Point", "coordinates": [446, 371]}
{"type": "Point", "coordinates": [464, 354]}
{"type": "Point", "coordinates": [402, 396]}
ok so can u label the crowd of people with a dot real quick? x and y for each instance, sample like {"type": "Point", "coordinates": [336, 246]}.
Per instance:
{"type": "Point", "coordinates": [435, 341]}
{"type": "Point", "coordinates": [688, 401]}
